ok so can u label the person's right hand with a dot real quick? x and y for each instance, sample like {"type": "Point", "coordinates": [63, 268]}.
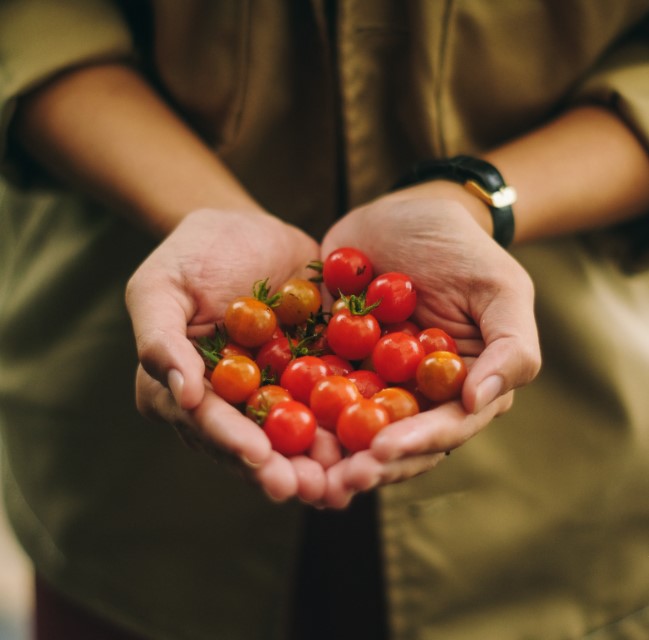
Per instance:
{"type": "Point", "coordinates": [180, 291]}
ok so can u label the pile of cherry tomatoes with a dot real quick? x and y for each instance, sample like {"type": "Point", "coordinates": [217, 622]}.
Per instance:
{"type": "Point", "coordinates": [291, 367]}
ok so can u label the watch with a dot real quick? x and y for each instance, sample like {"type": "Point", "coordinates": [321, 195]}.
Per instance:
{"type": "Point", "coordinates": [480, 178]}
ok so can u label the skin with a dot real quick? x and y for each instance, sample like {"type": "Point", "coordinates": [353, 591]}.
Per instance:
{"type": "Point", "coordinates": [154, 170]}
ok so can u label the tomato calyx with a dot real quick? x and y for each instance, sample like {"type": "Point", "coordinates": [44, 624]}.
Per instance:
{"type": "Point", "coordinates": [267, 376]}
{"type": "Point", "coordinates": [317, 266]}
{"type": "Point", "coordinates": [308, 335]}
{"type": "Point", "coordinates": [301, 346]}
{"type": "Point", "coordinates": [357, 304]}
{"type": "Point", "coordinates": [259, 414]}
{"type": "Point", "coordinates": [261, 292]}
{"type": "Point", "coordinates": [211, 347]}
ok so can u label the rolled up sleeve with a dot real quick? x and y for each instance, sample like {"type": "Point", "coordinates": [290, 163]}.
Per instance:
{"type": "Point", "coordinates": [41, 38]}
{"type": "Point", "coordinates": [621, 82]}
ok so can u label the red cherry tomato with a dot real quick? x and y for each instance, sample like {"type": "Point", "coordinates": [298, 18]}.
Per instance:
{"type": "Point", "coordinates": [301, 374]}
{"type": "Point", "coordinates": [328, 398]}
{"type": "Point", "coordinates": [337, 366]}
{"type": "Point", "coordinates": [440, 376]}
{"type": "Point", "coordinates": [263, 399]}
{"type": "Point", "coordinates": [359, 422]}
{"type": "Point", "coordinates": [407, 326]}
{"type": "Point", "coordinates": [434, 339]}
{"type": "Point", "coordinates": [368, 382]}
{"type": "Point", "coordinates": [235, 377]}
{"type": "Point", "coordinates": [424, 403]}
{"type": "Point", "coordinates": [347, 271]}
{"type": "Point", "coordinates": [290, 427]}
{"type": "Point", "coordinates": [396, 295]}
{"type": "Point", "coordinates": [396, 355]}
{"type": "Point", "coordinates": [249, 322]}
{"type": "Point", "coordinates": [299, 299]}
{"type": "Point", "coordinates": [398, 402]}
{"type": "Point", "coordinates": [278, 333]}
{"type": "Point", "coordinates": [353, 336]}
{"type": "Point", "coordinates": [273, 356]}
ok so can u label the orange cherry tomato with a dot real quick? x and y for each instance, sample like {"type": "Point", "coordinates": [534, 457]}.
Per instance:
{"type": "Point", "coordinates": [235, 377]}
{"type": "Point", "coordinates": [359, 422]}
{"type": "Point", "coordinates": [329, 397]}
{"type": "Point", "coordinates": [249, 322]}
{"type": "Point", "coordinates": [440, 376]}
{"type": "Point", "coordinates": [398, 402]}
{"type": "Point", "coordinates": [299, 300]}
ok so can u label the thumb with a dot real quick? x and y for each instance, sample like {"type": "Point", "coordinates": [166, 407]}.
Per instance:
{"type": "Point", "coordinates": [512, 355]}
{"type": "Point", "coordinates": [159, 315]}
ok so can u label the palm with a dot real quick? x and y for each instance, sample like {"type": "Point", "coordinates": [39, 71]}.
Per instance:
{"type": "Point", "coordinates": [220, 255]}
{"type": "Point", "coordinates": [453, 263]}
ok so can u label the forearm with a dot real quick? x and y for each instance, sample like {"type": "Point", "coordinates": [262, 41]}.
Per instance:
{"type": "Point", "coordinates": [104, 130]}
{"type": "Point", "coordinates": [584, 170]}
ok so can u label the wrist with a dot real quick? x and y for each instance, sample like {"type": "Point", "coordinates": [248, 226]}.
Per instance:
{"type": "Point", "coordinates": [454, 192]}
{"type": "Point", "coordinates": [479, 178]}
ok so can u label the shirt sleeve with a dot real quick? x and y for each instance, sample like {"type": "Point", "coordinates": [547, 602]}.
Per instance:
{"type": "Point", "coordinates": [621, 82]}
{"type": "Point", "coordinates": [41, 38]}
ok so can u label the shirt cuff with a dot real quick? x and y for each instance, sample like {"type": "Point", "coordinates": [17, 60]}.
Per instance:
{"type": "Point", "coordinates": [41, 38]}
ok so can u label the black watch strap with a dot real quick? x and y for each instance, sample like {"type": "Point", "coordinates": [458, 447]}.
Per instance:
{"type": "Point", "coordinates": [479, 177]}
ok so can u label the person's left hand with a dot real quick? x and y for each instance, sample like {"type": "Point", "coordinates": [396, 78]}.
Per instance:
{"type": "Point", "coordinates": [468, 286]}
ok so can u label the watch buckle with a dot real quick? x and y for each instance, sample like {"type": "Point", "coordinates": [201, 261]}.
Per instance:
{"type": "Point", "coordinates": [503, 197]}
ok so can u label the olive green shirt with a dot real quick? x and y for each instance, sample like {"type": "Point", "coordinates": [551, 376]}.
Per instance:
{"type": "Point", "coordinates": [537, 528]}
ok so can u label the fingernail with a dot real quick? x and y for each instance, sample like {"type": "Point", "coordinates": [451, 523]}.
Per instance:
{"type": "Point", "coordinates": [176, 382]}
{"type": "Point", "coordinates": [275, 499]}
{"type": "Point", "coordinates": [488, 390]}
{"type": "Point", "coordinates": [249, 463]}
{"type": "Point", "coordinates": [372, 484]}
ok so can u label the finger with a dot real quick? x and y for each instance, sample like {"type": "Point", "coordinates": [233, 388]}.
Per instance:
{"type": "Point", "coordinates": [325, 449]}
{"type": "Point", "coordinates": [364, 472]}
{"type": "Point", "coordinates": [512, 355]}
{"type": "Point", "coordinates": [470, 347]}
{"type": "Point", "coordinates": [226, 427]}
{"type": "Point", "coordinates": [277, 477]}
{"type": "Point", "coordinates": [215, 424]}
{"type": "Point", "coordinates": [337, 494]}
{"type": "Point", "coordinates": [160, 313]}
{"type": "Point", "coordinates": [436, 431]}
{"type": "Point", "coordinates": [311, 479]}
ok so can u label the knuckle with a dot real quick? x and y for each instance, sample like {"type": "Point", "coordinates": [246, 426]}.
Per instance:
{"type": "Point", "coordinates": [530, 361]}
{"type": "Point", "coordinates": [151, 348]}
{"type": "Point", "coordinates": [131, 292]}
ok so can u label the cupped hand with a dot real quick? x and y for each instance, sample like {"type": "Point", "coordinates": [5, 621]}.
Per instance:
{"type": "Point", "coordinates": [468, 286]}
{"type": "Point", "coordinates": [180, 291]}
{"type": "Point", "coordinates": [466, 283]}
{"type": "Point", "coordinates": [408, 448]}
